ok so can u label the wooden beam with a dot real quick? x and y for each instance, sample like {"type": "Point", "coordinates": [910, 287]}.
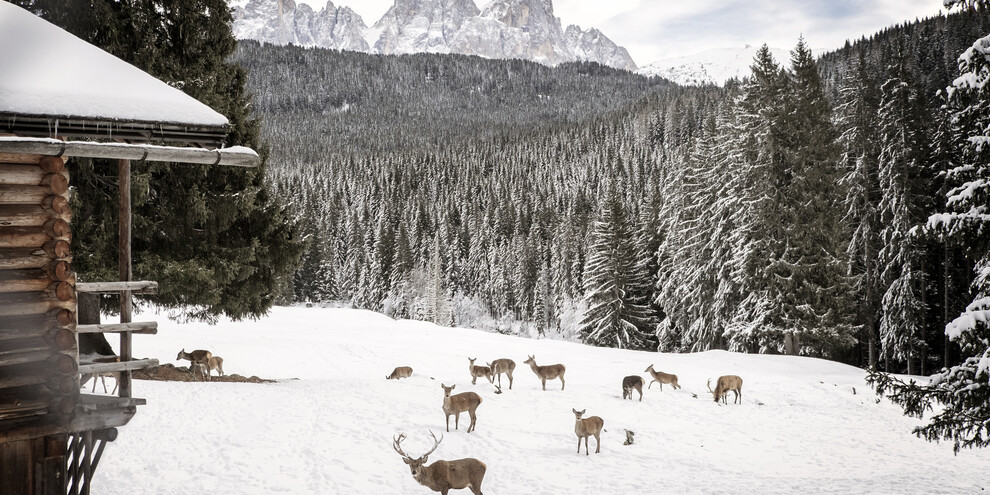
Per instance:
{"type": "Point", "coordinates": [26, 259]}
{"type": "Point", "coordinates": [137, 364]}
{"type": "Point", "coordinates": [135, 287]}
{"type": "Point", "coordinates": [139, 327]}
{"type": "Point", "coordinates": [124, 269]}
{"type": "Point", "coordinates": [118, 151]}
{"type": "Point", "coordinates": [16, 194]}
{"type": "Point", "coordinates": [23, 174]}
{"type": "Point", "coordinates": [31, 303]}
{"type": "Point", "coordinates": [83, 421]}
{"type": "Point", "coordinates": [33, 237]}
{"type": "Point", "coordinates": [30, 215]}
{"type": "Point", "coordinates": [35, 325]}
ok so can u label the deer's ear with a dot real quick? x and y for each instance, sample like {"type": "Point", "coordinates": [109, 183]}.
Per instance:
{"type": "Point", "coordinates": [452, 387]}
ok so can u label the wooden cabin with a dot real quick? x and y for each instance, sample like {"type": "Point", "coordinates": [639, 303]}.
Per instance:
{"type": "Point", "coordinates": [61, 98]}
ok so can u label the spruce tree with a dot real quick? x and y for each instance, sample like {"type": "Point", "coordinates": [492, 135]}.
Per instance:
{"type": "Point", "coordinates": [962, 391]}
{"type": "Point", "coordinates": [615, 271]}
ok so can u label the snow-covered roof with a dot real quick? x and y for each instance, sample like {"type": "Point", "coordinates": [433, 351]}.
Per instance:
{"type": "Point", "coordinates": [45, 71]}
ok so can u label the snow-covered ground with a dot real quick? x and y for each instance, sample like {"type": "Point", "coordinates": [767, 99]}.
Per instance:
{"type": "Point", "coordinates": [800, 429]}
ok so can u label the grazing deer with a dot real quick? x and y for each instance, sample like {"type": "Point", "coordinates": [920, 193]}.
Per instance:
{"type": "Point", "coordinates": [548, 372]}
{"type": "Point", "coordinates": [585, 428]}
{"type": "Point", "coordinates": [400, 372]}
{"type": "Point", "coordinates": [632, 382]}
{"type": "Point", "coordinates": [456, 404]}
{"type": "Point", "coordinates": [200, 371]}
{"type": "Point", "coordinates": [500, 366]}
{"type": "Point", "coordinates": [661, 378]}
{"type": "Point", "coordinates": [724, 385]}
{"type": "Point", "coordinates": [197, 356]}
{"type": "Point", "coordinates": [215, 363]}
{"type": "Point", "coordinates": [479, 371]}
{"type": "Point", "coordinates": [443, 476]}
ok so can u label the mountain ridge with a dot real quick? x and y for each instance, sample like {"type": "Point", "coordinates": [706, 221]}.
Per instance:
{"type": "Point", "coordinates": [505, 29]}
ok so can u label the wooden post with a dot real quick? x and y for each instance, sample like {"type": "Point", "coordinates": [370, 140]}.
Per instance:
{"type": "Point", "coordinates": [124, 263]}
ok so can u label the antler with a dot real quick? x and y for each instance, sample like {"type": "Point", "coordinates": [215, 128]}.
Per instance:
{"type": "Point", "coordinates": [396, 441]}
{"type": "Point", "coordinates": [395, 445]}
{"type": "Point", "coordinates": [436, 443]}
{"type": "Point", "coordinates": [710, 386]}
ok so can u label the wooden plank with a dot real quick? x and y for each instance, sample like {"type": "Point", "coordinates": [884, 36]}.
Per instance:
{"type": "Point", "coordinates": [24, 356]}
{"type": "Point", "coordinates": [63, 291]}
{"type": "Point", "coordinates": [33, 280]}
{"type": "Point", "coordinates": [90, 402]}
{"type": "Point", "coordinates": [138, 327]}
{"type": "Point", "coordinates": [15, 194]}
{"type": "Point", "coordinates": [137, 364]}
{"type": "Point", "coordinates": [135, 287]}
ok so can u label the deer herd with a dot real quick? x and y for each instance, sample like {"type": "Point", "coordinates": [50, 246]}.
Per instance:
{"type": "Point", "coordinates": [442, 476]}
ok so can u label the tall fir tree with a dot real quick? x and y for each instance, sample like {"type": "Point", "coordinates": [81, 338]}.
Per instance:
{"type": "Point", "coordinates": [614, 273]}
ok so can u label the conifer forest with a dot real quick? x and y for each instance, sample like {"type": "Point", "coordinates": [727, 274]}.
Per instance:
{"type": "Point", "coordinates": [816, 207]}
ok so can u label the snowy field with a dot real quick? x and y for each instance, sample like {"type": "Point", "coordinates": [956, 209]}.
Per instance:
{"type": "Point", "coordinates": [327, 428]}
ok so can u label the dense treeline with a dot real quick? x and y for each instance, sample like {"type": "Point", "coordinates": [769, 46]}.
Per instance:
{"type": "Point", "coordinates": [778, 214]}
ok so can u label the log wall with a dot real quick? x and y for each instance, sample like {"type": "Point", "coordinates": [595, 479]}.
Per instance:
{"type": "Point", "coordinates": [39, 357]}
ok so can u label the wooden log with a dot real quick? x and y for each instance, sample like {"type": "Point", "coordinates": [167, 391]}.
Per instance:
{"type": "Point", "coordinates": [124, 268]}
{"type": "Point", "coordinates": [14, 194]}
{"type": "Point", "coordinates": [61, 289]}
{"type": "Point", "coordinates": [31, 303]}
{"type": "Point", "coordinates": [58, 183]}
{"type": "Point", "coordinates": [65, 384]}
{"type": "Point", "coordinates": [135, 287]}
{"type": "Point", "coordinates": [115, 151]}
{"type": "Point", "coordinates": [57, 204]}
{"type": "Point", "coordinates": [61, 339]}
{"type": "Point", "coordinates": [32, 237]}
{"type": "Point", "coordinates": [35, 325]}
{"type": "Point", "coordinates": [64, 406]}
{"type": "Point", "coordinates": [24, 356]}
{"type": "Point", "coordinates": [28, 175]}
{"type": "Point", "coordinates": [27, 158]}
{"type": "Point", "coordinates": [56, 271]}
{"type": "Point", "coordinates": [26, 259]}
{"type": "Point", "coordinates": [57, 249]}
{"type": "Point", "coordinates": [139, 327]}
{"type": "Point", "coordinates": [52, 164]}
{"type": "Point", "coordinates": [28, 215]}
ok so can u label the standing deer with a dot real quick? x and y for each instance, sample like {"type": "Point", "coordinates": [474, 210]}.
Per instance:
{"type": "Point", "coordinates": [585, 428]}
{"type": "Point", "coordinates": [456, 404]}
{"type": "Point", "coordinates": [479, 371]}
{"type": "Point", "coordinates": [548, 372]}
{"type": "Point", "coordinates": [215, 363]}
{"type": "Point", "coordinates": [443, 476]}
{"type": "Point", "coordinates": [197, 356]}
{"type": "Point", "coordinates": [661, 378]}
{"type": "Point", "coordinates": [199, 370]}
{"type": "Point", "coordinates": [500, 366]}
{"type": "Point", "coordinates": [400, 372]}
{"type": "Point", "coordinates": [724, 385]}
{"type": "Point", "coordinates": [630, 383]}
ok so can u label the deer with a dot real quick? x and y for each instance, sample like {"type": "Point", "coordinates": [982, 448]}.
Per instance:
{"type": "Point", "coordinates": [456, 404]}
{"type": "Point", "coordinates": [630, 383]}
{"type": "Point", "coordinates": [548, 372]}
{"type": "Point", "coordinates": [443, 476]}
{"type": "Point", "coordinates": [400, 372]}
{"type": "Point", "coordinates": [103, 379]}
{"type": "Point", "coordinates": [661, 378]}
{"type": "Point", "coordinates": [479, 371]}
{"type": "Point", "coordinates": [200, 371]}
{"type": "Point", "coordinates": [724, 385]}
{"type": "Point", "coordinates": [215, 363]}
{"type": "Point", "coordinates": [587, 427]}
{"type": "Point", "coordinates": [197, 356]}
{"type": "Point", "coordinates": [500, 366]}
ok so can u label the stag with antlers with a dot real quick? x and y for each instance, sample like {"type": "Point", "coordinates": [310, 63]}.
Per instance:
{"type": "Point", "coordinates": [442, 476]}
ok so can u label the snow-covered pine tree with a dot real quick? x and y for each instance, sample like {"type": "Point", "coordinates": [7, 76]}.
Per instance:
{"type": "Point", "coordinates": [614, 271]}
{"type": "Point", "coordinates": [900, 162]}
{"type": "Point", "coordinates": [963, 390]}
{"type": "Point", "coordinates": [856, 122]}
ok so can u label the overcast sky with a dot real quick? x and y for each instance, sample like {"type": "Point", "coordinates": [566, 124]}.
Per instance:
{"type": "Point", "coordinates": [654, 29]}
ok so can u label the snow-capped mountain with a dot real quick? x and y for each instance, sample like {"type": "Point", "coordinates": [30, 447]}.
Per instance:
{"type": "Point", "coordinates": [526, 29]}
{"type": "Point", "coordinates": [712, 66]}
